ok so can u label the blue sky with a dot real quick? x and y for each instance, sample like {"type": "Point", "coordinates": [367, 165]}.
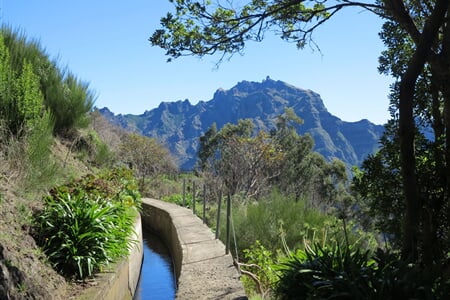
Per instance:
{"type": "Point", "coordinates": [106, 43]}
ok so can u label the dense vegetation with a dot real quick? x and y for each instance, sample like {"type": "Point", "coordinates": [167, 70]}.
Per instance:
{"type": "Point", "coordinates": [88, 223]}
{"type": "Point", "coordinates": [401, 191]}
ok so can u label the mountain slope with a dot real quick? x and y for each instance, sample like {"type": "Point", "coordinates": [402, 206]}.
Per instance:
{"type": "Point", "coordinates": [180, 124]}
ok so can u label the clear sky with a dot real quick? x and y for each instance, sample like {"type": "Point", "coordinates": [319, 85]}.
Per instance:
{"type": "Point", "coordinates": [105, 42]}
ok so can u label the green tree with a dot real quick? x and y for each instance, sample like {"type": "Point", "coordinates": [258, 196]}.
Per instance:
{"type": "Point", "coordinates": [297, 168]}
{"type": "Point", "coordinates": [239, 160]}
{"type": "Point", "coordinates": [7, 89]}
{"type": "Point", "coordinates": [207, 147]}
{"type": "Point", "coordinates": [380, 186]}
{"type": "Point", "coordinates": [425, 227]}
{"type": "Point", "coordinates": [146, 157]}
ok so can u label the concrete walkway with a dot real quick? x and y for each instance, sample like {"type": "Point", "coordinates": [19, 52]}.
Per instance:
{"type": "Point", "coordinates": [203, 269]}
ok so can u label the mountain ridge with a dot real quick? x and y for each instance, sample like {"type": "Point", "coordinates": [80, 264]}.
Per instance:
{"type": "Point", "coordinates": [179, 124]}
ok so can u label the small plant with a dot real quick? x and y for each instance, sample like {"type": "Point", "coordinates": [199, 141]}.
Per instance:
{"type": "Point", "coordinates": [22, 288]}
{"type": "Point", "coordinates": [261, 265]}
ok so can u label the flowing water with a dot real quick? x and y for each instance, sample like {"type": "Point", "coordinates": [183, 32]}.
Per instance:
{"type": "Point", "coordinates": [157, 281]}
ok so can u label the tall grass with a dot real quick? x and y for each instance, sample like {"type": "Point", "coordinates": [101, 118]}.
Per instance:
{"type": "Point", "coordinates": [280, 222]}
{"type": "Point", "coordinates": [42, 170]}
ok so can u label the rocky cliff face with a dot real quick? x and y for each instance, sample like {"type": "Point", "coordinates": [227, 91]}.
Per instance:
{"type": "Point", "coordinates": [180, 124]}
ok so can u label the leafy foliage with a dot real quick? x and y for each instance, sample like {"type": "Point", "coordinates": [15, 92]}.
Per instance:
{"type": "Point", "coordinates": [88, 223]}
{"type": "Point", "coordinates": [281, 223]}
{"type": "Point", "coordinates": [408, 199]}
{"type": "Point", "coordinates": [325, 273]}
{"type": "Point", "coordinates": [178, 199]}
{"type": "Point", "coordinates": [20, 96]}
{"type": "Point", "coordinates": [70, 101]}
{"type": "Point", "coordinates": [206, 27]}
{"type": "Point", "coordinates": [263, 265]}
{"type": "Point", "coordinates": [344, 273]}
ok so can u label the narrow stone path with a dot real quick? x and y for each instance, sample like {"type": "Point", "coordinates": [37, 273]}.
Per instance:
{"type": "Point", "coordinates": [206, 271]}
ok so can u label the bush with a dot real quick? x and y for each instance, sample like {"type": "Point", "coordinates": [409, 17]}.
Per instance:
{"type": "Point", "coordinates": [70, 100]}
{"type": "Point", "coordinates": [343, 273]}
{"type": "Point", "coordinates": [21, 100]}
{"type": "Point", "coordinates": [325, 273]}
{"type": "Point", "coordinates": [87, 224]}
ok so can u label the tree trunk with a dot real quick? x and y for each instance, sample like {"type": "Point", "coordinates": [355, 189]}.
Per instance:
{"type": "Point", "coordinates": [445, 88]}
{"type": "Point", "coordinates": [408, 163]}
{"type": "Point", "coordinates": [407, 130]}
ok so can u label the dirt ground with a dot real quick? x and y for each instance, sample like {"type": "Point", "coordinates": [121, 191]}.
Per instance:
{"type": "Point", "coordinates": [24, 271]}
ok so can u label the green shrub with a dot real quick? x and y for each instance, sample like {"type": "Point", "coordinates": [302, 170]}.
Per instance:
{"type": "Point", "coordinates": [260, 262]}
{"type": "Point", "coordinates": [21, 100]}
{"type": "Point", "coordinates": [276, 215]}
{"type": "Point", "coordinates": [61, 92]}
{"type": "Point", "coordinates": [117, 185]}
{"type": "Point", "coordinates": [343, 273]}
{"type": "Point", "coordinates": [103, 155]}
{"type": "Point", "coordinates": [88, 223]}
{"type": "Point", "coordinates": [325, 273]}
{"type": "Point", "coordinates": [70, 100]}
{"type": "Point", "coordinates": [90, 148]}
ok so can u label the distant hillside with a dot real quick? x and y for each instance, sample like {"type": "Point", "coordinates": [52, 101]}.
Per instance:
{"type": "Point", "coordinates": [180, 124]}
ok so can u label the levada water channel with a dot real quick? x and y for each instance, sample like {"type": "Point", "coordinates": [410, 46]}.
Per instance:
{"type": "Point", "coordinates": [157, 280]}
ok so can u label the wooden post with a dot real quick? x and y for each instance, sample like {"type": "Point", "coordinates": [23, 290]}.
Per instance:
{"type": "Point", "coordinates": [218, 216]}
{"type": "Point", "coordinates": [193, 197]}
{"type": "Point", "coordinates": [204, 203]}
{"type": "Point", "coordinates": [184, 192]}
{"type": "Point", "coordinates": [227, 245]}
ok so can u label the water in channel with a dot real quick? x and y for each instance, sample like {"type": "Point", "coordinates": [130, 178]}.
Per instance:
{"type": "Point", "coordinates": [157, 280]}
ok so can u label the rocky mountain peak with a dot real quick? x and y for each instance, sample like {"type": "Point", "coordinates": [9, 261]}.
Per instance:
{"type": "Point", "coordinates": [180, 124]}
